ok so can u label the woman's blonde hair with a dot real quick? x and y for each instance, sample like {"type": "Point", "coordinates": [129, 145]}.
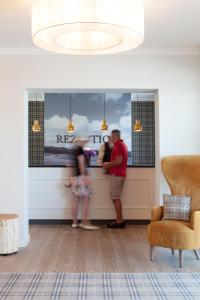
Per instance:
{"type": "Point", "coordinates": [81, 138]}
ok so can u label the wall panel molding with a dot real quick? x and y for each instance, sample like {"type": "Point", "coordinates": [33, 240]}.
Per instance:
{"type": "Point", "coordinates": [49, 198]}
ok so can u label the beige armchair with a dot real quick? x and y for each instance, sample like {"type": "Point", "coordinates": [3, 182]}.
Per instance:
{"type": "Point", "coordinates": [183, 176]}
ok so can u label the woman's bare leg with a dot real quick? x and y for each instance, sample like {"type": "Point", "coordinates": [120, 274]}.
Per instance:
{"type": "Point", "coordinates": [85, 209]}
{"type": "Point", "coordinates": [75, 205]}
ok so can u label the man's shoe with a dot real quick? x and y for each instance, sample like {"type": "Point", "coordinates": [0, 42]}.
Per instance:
{"type": "Point", "coordinates": [116, 225]}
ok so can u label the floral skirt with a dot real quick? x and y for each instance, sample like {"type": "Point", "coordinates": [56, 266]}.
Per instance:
{"type": "Point", "coordinates": [81, 186]}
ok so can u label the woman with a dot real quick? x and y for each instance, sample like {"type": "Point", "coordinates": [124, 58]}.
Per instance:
{"type": "Point", "coordinates": [105, 153]}
{"type": "Point", "coordinates": [81, 186]}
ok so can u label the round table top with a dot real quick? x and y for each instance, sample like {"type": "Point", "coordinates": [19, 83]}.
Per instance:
{"type": "Point", "coordinates": [8, 216]}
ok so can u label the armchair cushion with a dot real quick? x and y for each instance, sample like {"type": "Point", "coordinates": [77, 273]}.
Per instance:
{"type": "Point", "coordinates": [176, 207]}
{"type": "Point", "coordinates": [172, 234]}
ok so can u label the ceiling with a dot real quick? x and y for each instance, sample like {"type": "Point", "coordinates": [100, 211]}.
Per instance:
{"type": "Point", "coordinates": [168, 23]}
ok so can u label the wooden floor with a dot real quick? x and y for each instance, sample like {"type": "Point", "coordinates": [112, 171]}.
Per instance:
{"type": "Point", "coordinates": [59, 248]}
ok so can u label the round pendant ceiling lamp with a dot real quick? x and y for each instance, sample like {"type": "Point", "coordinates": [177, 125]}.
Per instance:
{"type": "Point", "coordinates": [88, 26]}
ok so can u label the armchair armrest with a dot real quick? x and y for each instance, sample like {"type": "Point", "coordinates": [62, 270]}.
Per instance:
{"type": "Point", "coordinates": [156, 213]}
{"type": "Point", "coordinates": [195, 220]}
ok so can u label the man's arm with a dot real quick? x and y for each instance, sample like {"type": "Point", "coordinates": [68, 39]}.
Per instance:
{"type": "Point", "coordinates": [115, 163]}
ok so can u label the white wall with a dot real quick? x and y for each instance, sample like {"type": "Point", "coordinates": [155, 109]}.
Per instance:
{"type": "Point", "coordinates": [176, 77]}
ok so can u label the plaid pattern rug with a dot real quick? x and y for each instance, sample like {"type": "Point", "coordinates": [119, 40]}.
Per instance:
{"type": "Point", "coordinates": [106, 286]}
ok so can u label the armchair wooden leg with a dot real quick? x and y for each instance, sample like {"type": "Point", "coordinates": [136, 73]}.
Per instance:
{"type": "Point", "coordinates": [197, 254]}
{"type": "Point", "coordinates": [181, 258]}
{"type": "Point", "coordinates": [172, 251]}
{"type": "Point", "coordinates": [151, 252]}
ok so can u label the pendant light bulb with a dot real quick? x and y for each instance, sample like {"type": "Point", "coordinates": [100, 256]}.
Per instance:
{"type": "Point", "coordinates": [104, 124]}
{"type": "Point", "coordinates": [70, 127]}
{"type": "Point", "coordinates": [137, 126]}
{"type": "Point", "coordinates": [36, 126]}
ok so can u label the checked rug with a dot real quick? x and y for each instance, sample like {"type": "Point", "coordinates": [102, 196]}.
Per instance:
{"type": "Point", "coordinates": [106, 286]}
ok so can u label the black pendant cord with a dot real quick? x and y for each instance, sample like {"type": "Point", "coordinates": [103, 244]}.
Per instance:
{"type": "Point", "coordinates": [104, 106]}
{"type": "Point", "coordinates": [36, 107]}
{"type": "Point", "coordinates": [66, 103]}
{"type": "Point", "coordinates": [70, 107]}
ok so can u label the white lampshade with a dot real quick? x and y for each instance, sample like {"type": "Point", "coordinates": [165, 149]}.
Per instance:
{"type": "Point", "coordinates": [88, 26]}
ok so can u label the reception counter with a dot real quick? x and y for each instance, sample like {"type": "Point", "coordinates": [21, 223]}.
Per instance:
{"type": "Point", "coordinates": [50, 199]}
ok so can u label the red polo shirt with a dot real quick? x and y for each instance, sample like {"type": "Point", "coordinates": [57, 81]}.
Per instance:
{"type": "Point", "coordinates": [119, 149]}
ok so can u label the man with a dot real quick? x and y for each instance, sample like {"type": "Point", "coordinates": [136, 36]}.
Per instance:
{"type": "Point", "coordinates": [117, 167]}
